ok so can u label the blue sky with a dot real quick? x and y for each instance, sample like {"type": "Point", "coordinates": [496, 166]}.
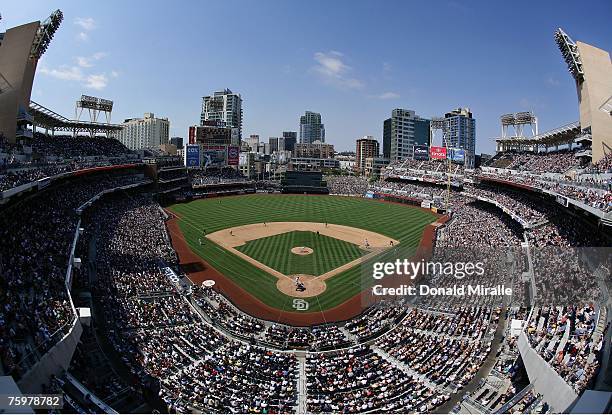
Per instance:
{"type": "Point", "coordinates": [352, 61]}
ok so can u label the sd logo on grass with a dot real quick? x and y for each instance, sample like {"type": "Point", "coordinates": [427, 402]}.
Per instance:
{"type": "Point", "coordinates": [300, 305]}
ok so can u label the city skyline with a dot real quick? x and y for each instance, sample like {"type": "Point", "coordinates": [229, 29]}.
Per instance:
{"type": "Point", "coordinates": [352, 74]}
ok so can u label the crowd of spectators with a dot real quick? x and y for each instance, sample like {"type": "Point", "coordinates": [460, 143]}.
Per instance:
{"type": "Point", "coordinates": [221, 312]}
{"type": "Point", "coordinates": [359, 380]}
{"type": "Point", "coordinates": [479, 224]}
{"type": "Point", "coordinates": [376, 320]}
{"type": "Point", "coordinates": [553, 162]}
{"type": "Point", "coordinates": [604, 165]}
{"type": "Point", "coordinates": [347, 185]}
{"type": "Point", "coordinates": [59, 154]}
{"type": "Point", "coordinates": [75, 147]}
{"type": "Point", "coordinates": [13, 178]}
{"type": "Point", "coordinates": [443, 358]}
{"type": "Point", "coordinates": [523, 206]}
{"type": "Point", "coordinates": [563, 336]}
{"type": "Point", "coordinates": [236, 378]}
{"type": "Point", "coordinates": [410, 189]}
{"type": "Point", "coordinates": [36, 238]}
{"type": "Point", "coordinates": [595, 197]}
{"type": "Point", "coordinates": [202, 177]}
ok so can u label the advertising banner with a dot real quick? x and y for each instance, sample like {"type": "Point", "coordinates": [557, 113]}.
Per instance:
{"type": "Point", "coordinates": [457, 155]}
{"type": "Point", "coordinates": [233, 155]}
{"type": "Point", "coordinates": [192, 135]}
{"type": "Point", "coordinates": [214, 156]}
{"type": "Point", "coordinates": [192, 156]}
{"type": "Point", "coordinates": [421, 153]}
{"type": "Point", "coordinates": [437, 153]}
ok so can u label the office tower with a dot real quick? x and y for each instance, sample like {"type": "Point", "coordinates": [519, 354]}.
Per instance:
{"type": "Point", "coordinates": [224, 106]}
{"type": "Point", "coordinates": [407, 130]}
{"type": "Point", "coordinates": [144, 133]}
{"type": "Point", "coordinates": [311, 128]}
{"type": "Point", "coordinates": [387, 137]}
{"type": "Point", "coordinates": [290, 139]}
{"type": "Point", "coordinates": [273, 143]}
{"type": "Point", "coordinates": [367, 147]}
{"type": "Point", "coordinates": [460, 132]}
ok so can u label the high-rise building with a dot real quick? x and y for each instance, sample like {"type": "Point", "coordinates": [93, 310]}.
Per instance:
{"type": "Point", "coordinates": [367, 147]}
{"type": "Point", "coordinates": [177, 141]}
{"type": "Point", "coordinates": [460, 132]}
{"type": "Point", "coordinates": [311, 128]}
{"type": "Point", "coordinates": [224, 106]}
{"type": "Point", "coordinates": [144, 133]}
{"type": "Point", "coordinates": [387, 137]}
{"type": "Point", "coordinates": [274, 144]}
{"type": "Point", "coordinates": [407, 130]}
{"type": "Point", "coordinates": [290, 138]}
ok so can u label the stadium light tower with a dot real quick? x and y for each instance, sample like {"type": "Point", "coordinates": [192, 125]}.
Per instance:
{"type": "Point", "coordinates": [570, 53]}
{"type": "Point", "coordinates": [94, 106]}
{"type": "Point", "coordinates": [518, 121]}
{"type": "Point", "coordinates": [45, 33]}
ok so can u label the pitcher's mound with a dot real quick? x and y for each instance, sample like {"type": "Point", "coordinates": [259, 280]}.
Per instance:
{"type": "Point", "coordinates": [313, 286]}
{"type": "Point", "coordinates": [301, 250]}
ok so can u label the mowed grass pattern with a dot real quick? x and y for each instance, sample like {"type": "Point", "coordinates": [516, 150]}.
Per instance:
{"type": "Point", "coordinates": [400, 222]}
{"type": "Point", "coordinates": [275, 252]}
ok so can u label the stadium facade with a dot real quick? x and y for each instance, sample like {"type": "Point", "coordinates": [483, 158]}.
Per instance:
{"type": "Point", "coordinates": [21, 48]}
{"type": "Point", "coordinates": [592, 71]}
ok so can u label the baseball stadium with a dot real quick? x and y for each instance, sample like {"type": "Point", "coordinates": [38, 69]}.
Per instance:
{"type": "Point", "coordinates": [236, 276]}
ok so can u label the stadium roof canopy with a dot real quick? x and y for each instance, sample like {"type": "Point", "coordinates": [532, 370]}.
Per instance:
{"type": "Point", "coordinates": [46, 118]}
{"type": "Point", "coordinates": [561, 135]}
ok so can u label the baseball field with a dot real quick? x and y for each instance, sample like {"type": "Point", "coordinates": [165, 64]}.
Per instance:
{"type": "Point", "coordinates": [265, 243]}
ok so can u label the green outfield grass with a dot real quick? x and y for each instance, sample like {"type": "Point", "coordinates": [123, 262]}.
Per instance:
{"type": "Point", "coordinates": [400, 222]}
{"type": "Point", "coordinates": [275, 252]}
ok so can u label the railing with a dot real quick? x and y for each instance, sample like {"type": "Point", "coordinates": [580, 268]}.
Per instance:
{"type": "Point", "coordinates": [515, 399]}
{"type": "Point", "coordinates": [86, 393]}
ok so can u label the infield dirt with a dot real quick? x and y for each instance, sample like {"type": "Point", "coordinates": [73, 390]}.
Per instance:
{"type": "Point", "coordinates": [369, 241]}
